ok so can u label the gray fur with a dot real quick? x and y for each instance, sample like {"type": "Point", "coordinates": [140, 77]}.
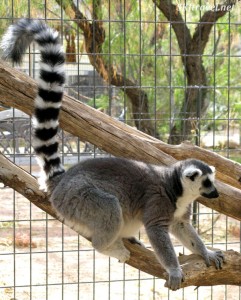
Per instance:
{"type": "Point", "coordinates": [18, 38]}
{"type": "Point", "coordinates": [50, 86]}
{"type": "Point", "coordinates": [106, 200]}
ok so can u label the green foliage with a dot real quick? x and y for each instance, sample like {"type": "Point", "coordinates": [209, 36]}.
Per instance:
{"type": "Point", "coordinates": [10, 10]}
{"type": "Point", "coordinates": [223, 70]}
{"type": "Point", "coordinates": [100, 102]}
{"type": "Point", "coordinates": [21, 8]}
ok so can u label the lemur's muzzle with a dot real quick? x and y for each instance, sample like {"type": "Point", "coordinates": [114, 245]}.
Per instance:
{"type": "Point", "coordinates": [213, 194]}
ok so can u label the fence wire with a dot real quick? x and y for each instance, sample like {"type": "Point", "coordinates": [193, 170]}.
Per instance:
{"type": "Point", "coordinates": [39, 257]}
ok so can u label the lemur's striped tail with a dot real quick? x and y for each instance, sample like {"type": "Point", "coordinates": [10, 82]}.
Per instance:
{"type": "Point", "coordinates": [50, 86]}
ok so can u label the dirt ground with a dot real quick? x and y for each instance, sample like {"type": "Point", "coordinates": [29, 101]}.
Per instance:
{"type": "Point", "coordinates": [42, 259]}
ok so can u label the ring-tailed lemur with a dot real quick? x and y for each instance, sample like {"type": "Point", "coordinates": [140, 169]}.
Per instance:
{"type": "Point", "coordinates": [108, 199]}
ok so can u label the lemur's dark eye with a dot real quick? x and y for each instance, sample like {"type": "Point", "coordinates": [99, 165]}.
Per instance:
{"type": "Point", "coordinates": [207, 183]}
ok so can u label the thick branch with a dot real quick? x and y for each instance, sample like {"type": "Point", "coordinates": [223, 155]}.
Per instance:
{"type": "Point", "coordinates": [197, 43]}
{"type": "Point", "coordinates": [25, 184]}
{"type": "Point", "coordinates": [206, 23]}
{"type": "Point", "coordinates": [122, 140]}
{"type": "Point", "coordinates": [173, 15]}
{"type": "Point", "coordinates": [196, 273]}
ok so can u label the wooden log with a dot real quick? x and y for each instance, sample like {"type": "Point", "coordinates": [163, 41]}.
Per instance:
{"type": "Point", "coordinates": [122, 140]}
{"type": "Point", "coordinates": [107, 133]}
{"type": "Point", "coordinates": [194, 268]}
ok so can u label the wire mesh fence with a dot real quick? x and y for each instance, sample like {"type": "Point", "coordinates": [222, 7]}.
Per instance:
{"type": "Point", "coordinates": [168, 69]}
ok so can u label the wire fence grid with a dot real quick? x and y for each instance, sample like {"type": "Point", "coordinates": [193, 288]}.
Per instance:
{"type": "Point", "coordinates": [39, 257]}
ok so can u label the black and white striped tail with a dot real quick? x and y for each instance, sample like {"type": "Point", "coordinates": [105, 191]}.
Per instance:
{"type": "Point", "coordinates": [50, 86]}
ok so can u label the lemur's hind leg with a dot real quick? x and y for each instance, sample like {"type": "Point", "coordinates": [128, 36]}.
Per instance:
{"type": "Point", "coordinates": [106, 223]}
{"type": "Point", "coordinates": [117, 250]}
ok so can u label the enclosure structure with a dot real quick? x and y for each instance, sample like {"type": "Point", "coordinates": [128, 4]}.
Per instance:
{"type": "Point", "coordinates": [153, 66]}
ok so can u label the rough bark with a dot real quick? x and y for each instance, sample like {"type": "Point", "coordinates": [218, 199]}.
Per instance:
{"type": "Point", "coordinates": [195, 270]}
{"type": "Point", "coordinates": [192, 48]}
{"type": "Point", "coordinates": [122, 140]}
{"type": "Point", "coordinates": [94, 37]}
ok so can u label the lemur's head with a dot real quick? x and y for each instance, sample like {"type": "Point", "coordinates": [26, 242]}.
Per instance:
{"type": "Point", "coordinates": [198, 178]}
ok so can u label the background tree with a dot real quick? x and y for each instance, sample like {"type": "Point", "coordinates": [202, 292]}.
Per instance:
{"type": "Point", "coordinates": [158, 54]}
{"type": "Point", "coordinates": [144, 69]}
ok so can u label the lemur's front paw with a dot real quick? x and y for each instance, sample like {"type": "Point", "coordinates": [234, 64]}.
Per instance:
{"type": "Point", "coordinates": [216, 256]}
{"type": "Point", "coordinates": [176, 277]}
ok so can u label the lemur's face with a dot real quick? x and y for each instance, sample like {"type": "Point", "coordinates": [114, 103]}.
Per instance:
{"type": "Point", "coordinates": [199, 182]}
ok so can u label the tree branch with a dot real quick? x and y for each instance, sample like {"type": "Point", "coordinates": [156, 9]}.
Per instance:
{"type": "Point", "coordinates": [122, 140]}
{"type": "Point", "coordinates": [206, 23]}
{"type": "Point", "coordinates": [195, 270]}
{"type": "Point", "coordinates": [173, 15]}
{"type": "Point", "coordinates": [197, 43]}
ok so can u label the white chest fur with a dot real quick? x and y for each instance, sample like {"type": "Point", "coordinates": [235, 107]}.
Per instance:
{"type": "Point", "coordinates": [182, 205]}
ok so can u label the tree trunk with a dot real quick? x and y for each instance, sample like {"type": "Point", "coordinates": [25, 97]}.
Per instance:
{"type": "Point", "coordinates": [191, 48]}
{"type": "Point", "coordinates": [194, 268]}
{"type": "Point", "coordinates": [94, 37]}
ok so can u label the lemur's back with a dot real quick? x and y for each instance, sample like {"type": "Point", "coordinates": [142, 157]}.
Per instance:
{"type": "Point", "coordinates": [130, 182]}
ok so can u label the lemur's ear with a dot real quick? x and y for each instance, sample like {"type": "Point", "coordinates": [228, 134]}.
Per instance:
{"type": "Point", "coordinates": [192, 172]}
